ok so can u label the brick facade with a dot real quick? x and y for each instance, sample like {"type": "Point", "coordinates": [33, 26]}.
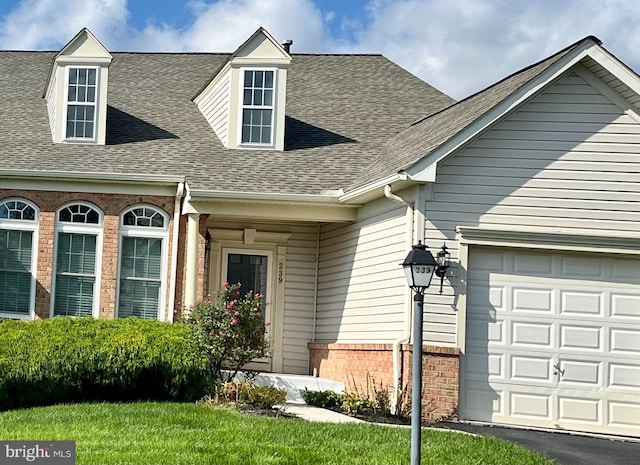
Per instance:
{"type": "Point", "coordinates": [361, 366]}
{"type": "Point", "coordinates": [112, 205]}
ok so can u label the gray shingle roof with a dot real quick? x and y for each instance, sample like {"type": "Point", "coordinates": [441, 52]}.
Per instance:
{"type": "Point", "coordinates": [341, 109]}
{"type": "Point", "coordinates": [422, 137]}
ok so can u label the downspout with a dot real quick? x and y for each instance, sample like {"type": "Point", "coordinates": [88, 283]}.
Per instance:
{"type": "Point", "coordinates": [315, 287]}
{"type": "Point", "coordinates": [406, 335]}
{"type": "Point", "coordinates": [174, 248]}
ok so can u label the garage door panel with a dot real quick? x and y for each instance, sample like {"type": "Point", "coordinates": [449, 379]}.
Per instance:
{"type": "Point", "coordinates": [624, 415]}
{"type": "Point", "coordinates": [625, 341]}
{"type": "Point", "coordinates": [580, 372]}
{"type": "Point", "coordinates": [483, 367]}
{"type": "Point", "coordinates": [531, 311]}
{"type": "Point", "coordinates": [581, 338]}
{"type": "Point", "coordinates": [625, 306]}
{"type": "Point", "coordinates": [529, 404]}
{"type": "Point", "coordinates": [532, 300]}
{"type": "Point", "coordinates": [582, 267]}
{"type": "Point", "coordinates": [532, 264]}
{"type": "Point", "coordinates": [580, 410]}
{"type": "Point", "coordinates": [578, 303]}
{"type": "Point", "coordinates": [624, 376]}
{"type": "Point", "coordinates": [481, 331]}
{"type": "Point", "coordinates": [529, 368]}
{"type": "Point", "coordinates": [525, 334]}
{"type": "Point", "coordinates": [626, 271]}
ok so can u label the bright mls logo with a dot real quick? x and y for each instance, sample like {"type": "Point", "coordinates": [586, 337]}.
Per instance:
{"type": "Point", "coordinates": [38, 452]}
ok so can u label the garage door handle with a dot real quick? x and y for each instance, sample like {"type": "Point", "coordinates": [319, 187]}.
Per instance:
{"type": "Point", "coordinates": [557, 369]}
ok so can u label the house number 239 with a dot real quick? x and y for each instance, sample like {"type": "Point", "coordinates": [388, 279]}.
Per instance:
{"type": "Point", "coordinates": [280, 272]}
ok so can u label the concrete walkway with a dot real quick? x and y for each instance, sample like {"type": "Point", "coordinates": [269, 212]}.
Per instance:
{"type": "Point", "coordinates": [310, 413]}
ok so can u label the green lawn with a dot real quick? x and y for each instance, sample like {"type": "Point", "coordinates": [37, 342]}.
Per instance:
{"type": "Point", "coordinates": [173, 433]}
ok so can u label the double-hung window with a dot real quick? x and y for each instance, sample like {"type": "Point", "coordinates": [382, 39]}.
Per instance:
{"type": "Point", "coordinates": [143, 238]}
{"type": "Point", "coordinates": [18, 225]}
{"type": "Point", "coordinates": [82, 87]}
{"type": "Point", "coordinates": [78, 246]}
{"type": "Point", "coordinates": [257, 106]}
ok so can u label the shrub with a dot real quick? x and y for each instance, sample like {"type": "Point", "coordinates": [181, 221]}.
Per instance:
{"type": "Point", "coordinates": [82, 359]}
{"type": "Point", "coordinates": [246, 393]}
{"type": "Point", "coordinates": [353, 404]}
{"type": "Point", "coordinates": [229, 329]}
{"type": "Point", "coordinates": [323, 399]}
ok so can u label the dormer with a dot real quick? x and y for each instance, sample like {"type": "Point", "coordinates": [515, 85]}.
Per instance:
{"type": "Point", "coordinates": [76, 92]}
{"type": "Point", "coordinates": [244, 102]}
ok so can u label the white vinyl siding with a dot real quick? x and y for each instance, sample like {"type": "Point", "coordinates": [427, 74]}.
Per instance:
{"type": "Point", "coordinates": [361, 286]}
{"type": "Point", "coordinates": [568, 160]}
{"type": "Point", "coordinates": [299, 298]}
{"type": "Point", "coordinates": [215, 108]}
{"type": "Point", "coordinates": [51, 102]}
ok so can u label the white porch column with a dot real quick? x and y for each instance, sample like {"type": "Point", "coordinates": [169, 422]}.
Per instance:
{"type": "Point", "coordinates": [191, 271]}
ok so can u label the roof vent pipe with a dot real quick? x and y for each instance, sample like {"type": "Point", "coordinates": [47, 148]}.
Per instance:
{"type": "Point", "coordinates": [287, 45]}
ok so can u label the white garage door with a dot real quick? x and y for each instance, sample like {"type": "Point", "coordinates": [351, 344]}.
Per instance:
{"type": "Point", "coordinates": [553, 340]}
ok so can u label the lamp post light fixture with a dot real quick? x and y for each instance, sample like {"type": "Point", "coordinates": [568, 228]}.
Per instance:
{"type": "Point", "coordinates": [419, 268]}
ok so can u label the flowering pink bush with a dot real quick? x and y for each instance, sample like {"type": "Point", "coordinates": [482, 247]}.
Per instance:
{"type": "Point", "coordinates": [229, 328]}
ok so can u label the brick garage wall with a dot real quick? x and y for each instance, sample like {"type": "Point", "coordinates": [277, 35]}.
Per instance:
{"type": "Point", "coordinates": [112, 206]}
{"type": "Point", "coordinates": [358, 366]}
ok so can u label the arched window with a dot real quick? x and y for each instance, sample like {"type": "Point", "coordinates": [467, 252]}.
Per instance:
{"type": "Point", "coordinates": [77, 270]}
{"type": "Point", "coordinates": [143, 249]}
{"type": "Point", "coordinates": [18, 225]}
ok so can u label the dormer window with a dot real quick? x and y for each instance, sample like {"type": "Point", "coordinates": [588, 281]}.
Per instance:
{"type": "Point", "coordinates": [76, 92]}
{"type": "Point", "coordinates": [257, 106]}
{"type": "Point", "coordinates": [244, 102]}
{"type": "Point", "coordinates": [81, 103]}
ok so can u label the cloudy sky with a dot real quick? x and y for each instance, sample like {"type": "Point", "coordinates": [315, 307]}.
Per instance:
{"type": "Point", "coordinates": [459, 46]}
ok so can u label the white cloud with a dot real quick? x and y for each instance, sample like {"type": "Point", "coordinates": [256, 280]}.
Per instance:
{"type": "Point", "coordinates": [459, 46]}
{"type": "Point", "coordinates": [223, 25]}
{"type": "Point", "coordinates": [48, 24]}
{"type": "Point", "coordinates": [465, 45]}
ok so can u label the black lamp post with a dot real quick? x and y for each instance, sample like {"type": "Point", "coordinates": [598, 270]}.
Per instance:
{"type": "Point", "coordinates": [419, 267]}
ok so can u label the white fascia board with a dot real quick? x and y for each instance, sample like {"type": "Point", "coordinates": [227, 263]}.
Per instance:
{"type": "Point", "coordinates": [616, 67]}
{"type": "Point", "coordinates": [75, 60]}
{"type": "Point", "coordinates": [256, 62]}
{"type": "Point", "coordinates": [95, 177]}
{"type": "Point", "coordinates": [291, 207]}
{"type": "Point", "coordinates": [425, 169]}
{"type": "Point", "coordinates": [91, 182]}
{"type": "Point", "coordinates": [361, 191]}
{"type": "Point", "coordinates": [212, 196]}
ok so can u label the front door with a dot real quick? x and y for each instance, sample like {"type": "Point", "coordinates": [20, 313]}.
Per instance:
{"type": "Point", "coordinates": [251, 269]}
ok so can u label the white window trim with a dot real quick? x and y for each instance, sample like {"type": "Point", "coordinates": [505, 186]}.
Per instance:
{"type": "Point", "coordinates": [25, 225]}
{"type": "Point", "coordinates": [146, 232]}
{"type": "Point", "coordinates": [65, 102]}
{"type": "Point", "coordinates": [273, 107]}
{"type": "Point", "coordinates": [79, 228]}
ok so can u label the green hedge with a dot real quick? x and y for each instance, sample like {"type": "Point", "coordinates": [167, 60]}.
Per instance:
{"type": "Point", "coordinates": [63, 360]}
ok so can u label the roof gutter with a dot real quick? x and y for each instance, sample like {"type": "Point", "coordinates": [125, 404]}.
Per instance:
{"type": "Point", "coordinates": [90, 176]}
{"type": "Point", "coordinates": [323, 197]}
{"type": "Point", "coordinates": [379, 184]}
